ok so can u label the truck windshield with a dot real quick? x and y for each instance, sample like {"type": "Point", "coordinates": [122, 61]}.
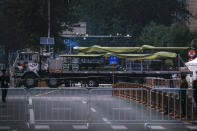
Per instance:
{"type": "Point", "coordinates": [29, 57]}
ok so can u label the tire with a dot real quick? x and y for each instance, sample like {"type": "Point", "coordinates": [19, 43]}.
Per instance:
{"type": "Point", "coordinates": [91, 83]}
{"type": "Point", "coordinates": [96, 84]}
{"type": "Point", "coordinates": [53, 83]}
{"type": "Point", "coordinates": [30, 81]}
{"type": "Point", "coordinates": [67, 84]}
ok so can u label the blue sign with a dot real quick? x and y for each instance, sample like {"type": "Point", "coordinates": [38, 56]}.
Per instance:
{"type": "Point", "coordinates": [46, 40]}
{"type": "Point", "coordinates": [70, 43]}
{"type": "Point", "coordinates": [113, 60]}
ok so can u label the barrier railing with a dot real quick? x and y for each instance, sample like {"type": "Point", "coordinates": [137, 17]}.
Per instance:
{"type": "Point", "coordinates": [14, 108]}
{"type": "Point", "coordinates": [163, 83]}
{"type": "Point", "coordinates": [124, 103]}
{"type": "Point", "coordinates": [116, 105]}
{"type": "Point", "coordinates": [59, 105]}
{"type": "Point", "coordinates": [174, 103]}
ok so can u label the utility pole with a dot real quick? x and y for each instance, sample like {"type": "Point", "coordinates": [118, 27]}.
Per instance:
{"type": "Point", "coordinates": [49, 18]}
{"type": "Point", "coordinates": [49, 22]}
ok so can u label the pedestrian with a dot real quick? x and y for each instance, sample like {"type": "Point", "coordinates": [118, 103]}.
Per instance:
{"type": "Point", "coordinates": [195, 92]}
{"type": "Point", "coordinates": [4, 79]}
{"type": "Point", "coordinates": [183, 95]}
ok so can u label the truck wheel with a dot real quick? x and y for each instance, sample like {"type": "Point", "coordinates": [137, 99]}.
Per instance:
{"type": "Point", "coordinates": [67, 84]}
{"type": "Point", "coordinates": [91, 83]}
{"type": "Point", "coordinates": [30, 81]}
{"type": "Point", "coordinates": [97, 84]}
{"type": "Point", "coordinates": [53, 83]}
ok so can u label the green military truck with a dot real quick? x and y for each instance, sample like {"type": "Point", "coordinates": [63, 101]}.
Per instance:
{"type": "Point", "coordinates": [90, 66]}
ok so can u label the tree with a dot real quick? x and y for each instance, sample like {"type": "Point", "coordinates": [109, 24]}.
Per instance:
{"type": "Point", "coordinates": [23, 22]}
{"type": "Point", "coordinates": [30, 19]}
{"type": "Point", "coordinates": [177, 34]}
{"type": "Point", "coordinates": [105, 17]}
{"type": "Point", "coordinates": [153, 34]}
{"type": "Point", "coordinates": [180, 35]}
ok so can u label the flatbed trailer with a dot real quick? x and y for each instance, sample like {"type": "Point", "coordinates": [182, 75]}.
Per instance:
{"type": "Point", "coordinates": [94, 78]}
{"type": "Point", "coordinates": [32, 67]}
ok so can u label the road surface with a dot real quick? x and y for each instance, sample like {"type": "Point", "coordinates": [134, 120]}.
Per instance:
{"type": "Point", "coordinates": [78, 109]}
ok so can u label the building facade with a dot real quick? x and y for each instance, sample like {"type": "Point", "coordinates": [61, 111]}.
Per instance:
{"type": "Point", "coordinates": [192, 7]}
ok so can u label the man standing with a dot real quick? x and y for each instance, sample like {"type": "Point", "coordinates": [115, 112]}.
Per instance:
{"type": "Point", "coordinates": [4, 79]}
{"type": "Point", "coordinates": [195, 92]}
{"type": "Point", "coordinates": [183, 95]}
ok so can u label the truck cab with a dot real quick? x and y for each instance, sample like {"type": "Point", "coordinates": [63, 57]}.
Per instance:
{"type": "Point", "coordinates": [26, 66]}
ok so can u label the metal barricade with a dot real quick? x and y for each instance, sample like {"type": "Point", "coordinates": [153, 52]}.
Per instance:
{"type": "Point", "coordinates": [69, 105]}
{"type": "Point", "coordinates": [99, 105]}
{"type": "Point", "coordinates": [174, 103]}
{"type": "Point", "coordinates": [14, 109]}
{"type": "Point", "coordinates": [118, 105]}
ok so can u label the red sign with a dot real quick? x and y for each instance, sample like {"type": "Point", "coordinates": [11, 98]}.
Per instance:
{"type": "Point", "coordinates": [191, 53]}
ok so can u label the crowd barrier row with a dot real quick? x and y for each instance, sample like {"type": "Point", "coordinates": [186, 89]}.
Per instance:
{"type": "Point", "coordinates": [125, 102]}
{"type": "Point", "coordinates": [163, 83]}
{"type": "Point", "coordinates": [176, 103]}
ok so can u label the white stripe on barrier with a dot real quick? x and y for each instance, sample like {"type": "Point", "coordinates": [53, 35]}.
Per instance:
{"type": "Point", "coordinates": [93, 110]}
{"type": "Point", "coordinates": [42, 127]}
{"type": "Point", "coordinates": [106, 121]}
{"type": "Point", "coordinates": [121, 108]}
{"type": "Point", "coordinates": [119, 127]}
{"type": "Point", "coordinates": [157, 127]}
{"type": "Point", "coordinates": [84, 102]}
{"type": "Point", "coordinates": [32, 118]}
{"type": "Point", "coordinates": [61, 109]}
{"type": "Point", "coordinates": [30, 101]}
{"type": "Point", "coordinates": [80, 127]}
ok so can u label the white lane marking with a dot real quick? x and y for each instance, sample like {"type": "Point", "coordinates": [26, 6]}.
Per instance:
{"type": "Point", "coordinates": [80, 127]}
{"type": "Point", "coordinates": [5, 128]}
{"type": "Point", "coordinates": [192, 127]}
{"type": "Point", "coordinates": [157, 127]}
{"type": "Point", "coordinates": [119, 127]}
{"type": "Point", "coordinates": [106, 121]}
{"type": "Point", "coordinates": [121, 108]}
{"type": "Point", "coordinates": [32, 118]}
{"type": "Point", "coordinates": [14, 130]}
{"type": "Point", "coordinates": [30, 101]}
{"type": "Point", "coordinates": [93, 110]}
{"type": "Point", "coordinates": [61, 109]}
{"type": "Point", "coordinates": [84, 102]}
{"type": "Point", "coordinates": [42, 127]}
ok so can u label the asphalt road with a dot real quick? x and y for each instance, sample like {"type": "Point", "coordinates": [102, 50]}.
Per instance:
{"type": "Point", "coordinates": [79, 109]}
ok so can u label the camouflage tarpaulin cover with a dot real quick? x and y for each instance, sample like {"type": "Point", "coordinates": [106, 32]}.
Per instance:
{"type": "Point", "coordinates": [158, 55]}
{"type": "Point", "coordinates": [100, 49]}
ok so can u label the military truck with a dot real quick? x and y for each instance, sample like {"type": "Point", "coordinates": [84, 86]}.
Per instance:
{"type": "Point", "coordinates": [90, 66]}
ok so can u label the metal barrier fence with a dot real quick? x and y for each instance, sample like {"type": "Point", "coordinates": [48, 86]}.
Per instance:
{"type": "Point", "coordinates": [15, 108]}
{"type": "Point", "coordinates": [100, 105]}
{"type": "Point", "coordinates": [117, 105]}
{"type": "Point", "coordinates": [167, 104]}
{"type": "Point", "coordinates": [59, 105]}
{"type": "Point", "coordinates": [174, 103]}
{"type": "Point", "coordinates": [163, 83]}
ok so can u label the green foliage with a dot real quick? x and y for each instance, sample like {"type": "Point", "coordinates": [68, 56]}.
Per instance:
{"type": "Point", "coordinates": [177, 34]}
{"type": "Point", "coordinates": [23, 22]}
{"type": "Point", "coordinates": [180, 35]}
{"type": "Point", "coordinates": [26, 21]}
{"type": "Point", "coordinates": [105, 17]}
{"type": "Point", "coordinates": [153, 34]}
